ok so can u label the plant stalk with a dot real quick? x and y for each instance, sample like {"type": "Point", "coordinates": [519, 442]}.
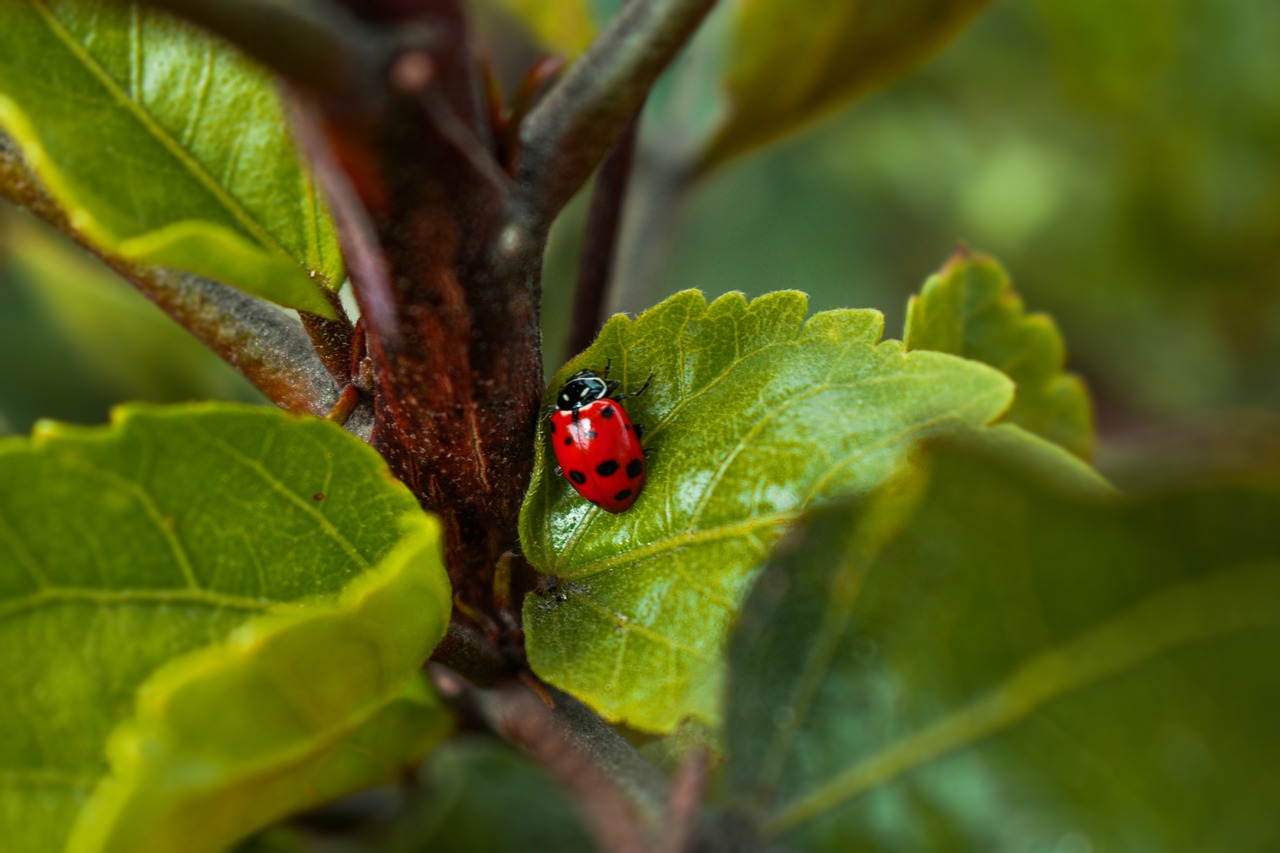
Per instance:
{"type": "Point", "coordinates": [267, 346]}
{"type": "Point", "coordinates": [571, 131]}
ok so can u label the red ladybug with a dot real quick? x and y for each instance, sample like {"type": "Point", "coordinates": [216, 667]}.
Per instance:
{"type": "Point", "coordinates": [596, 444]}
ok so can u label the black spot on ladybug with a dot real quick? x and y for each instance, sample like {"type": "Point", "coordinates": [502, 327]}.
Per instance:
{"type": "Point", "coordinates": [591, 435]}
{"type": "Point", "coordinates": [568, 441]}
{"type": "Point", "coordinates": [622, 495]}
{"type": "Point", "coordinates": [628, 427]}
{"type": "Point", "coordinates": [606, 412]}
{"type": "Point", "coordinates": [578, 477]}
{"type": "Point", "coordinates": [607, 469]}
{"type": "Point", "coordinates": [634, 468]}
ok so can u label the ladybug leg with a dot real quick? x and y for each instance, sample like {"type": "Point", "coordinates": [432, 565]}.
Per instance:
{"type": "Point", "coordinates": [611, 388]}
{"type": "Point", "coordinates": [559, 471]}
{"type": "Point", "coordinates": [636, 393]}
{"type": "Point", "coordinates": [639, 431]}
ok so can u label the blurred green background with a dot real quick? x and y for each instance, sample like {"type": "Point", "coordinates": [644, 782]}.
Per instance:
{"type": "Point", "coordinates": [1121, 159]}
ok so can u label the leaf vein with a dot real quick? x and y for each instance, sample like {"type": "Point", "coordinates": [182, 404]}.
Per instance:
{"type": "Point", "coordinates": [134, 107]}
{"type": "Point", "coordinates": [683, 539]}
{"type": "Point", "coordinates": [1178, 616]}
{"type": "Point", "coordinates": [628, 626]}
{"type": "Point", "coordinates": [274, 483]}
{"type": "Point", "coordinates": [152, 510]}
{"type": "Point", "coordinates": [51, 596]}
{"type": "Point", "coordinates": [29, 563]}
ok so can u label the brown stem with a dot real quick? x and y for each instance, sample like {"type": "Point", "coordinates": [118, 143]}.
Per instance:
{"type": "Point", "coordinates": [448, 287]}
{"type": "Point", "coordinates": [651, 222]}
{"type": "Point", "coordinates": [600, 242]}
{"type": "Point", "coordinates": [567, 135]}
{"type": "Point", "coordinates": [266, 346]}
{"type": "Point", "coordinates": [602, 773]}
{"type": "Point", "coordinates": [680, 827]}
{"type": "Point", "coordinates": [470, 654]}
{"type": "Point", "coordinates": [332, 339]}
{"type": "Point", "coordinates": [447, 290]}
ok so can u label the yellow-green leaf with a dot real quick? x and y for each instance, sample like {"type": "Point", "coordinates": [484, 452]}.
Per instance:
{"type": "Point", "coordinates": [563, 26]}
{"type": "Point", "coordinates": [970, 309]}
{"type": "Point", "coordinates": [164, 147]}
{"type": "Point", "coordinates": [789, 65]}
{"type": "Point", "coordinates": [753, 415]}
{"type": "Point", "coordinates": [210, 616]}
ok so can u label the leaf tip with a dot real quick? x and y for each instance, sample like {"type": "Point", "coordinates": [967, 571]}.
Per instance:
{"type": "Point", "coordinates": [961, 254]}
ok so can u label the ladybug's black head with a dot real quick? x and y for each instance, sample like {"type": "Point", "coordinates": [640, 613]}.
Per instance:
{"type": "Point", "coordinates": [583, 388]}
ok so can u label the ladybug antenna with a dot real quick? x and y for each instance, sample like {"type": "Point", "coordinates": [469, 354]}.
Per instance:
{"type": "Point", "coordinates": [607, 362]}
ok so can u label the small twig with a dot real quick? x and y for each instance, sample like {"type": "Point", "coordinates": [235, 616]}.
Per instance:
{"type": "Point", "coordinates": [468, 652]}
{"type": "Point", "coordinates": [600, 242]}
{"type": "Point", "coordinates": [644, 786]}
{"type": "Point", "coordinates": [266, 346]}
{"type": "Point", "coordinates": [650, 224]}
{"type": "Point", "coordinates": [460, 80]}
{"type": "Point", "coordinates": [604, 775]}
{"type": "Point", "coordinates": [332, 339]}
{"type": "Point", "coordinates": [522, 100]}
{"type": "Point", "coordinates": [572, 129]}
{"type": "Point", "coordinates": [682, 808]}
{"type": "Point", "coordinates": [346, 405]}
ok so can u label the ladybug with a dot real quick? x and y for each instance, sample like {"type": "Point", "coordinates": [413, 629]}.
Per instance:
{"type": "Point", "coordinates": [595, 442]}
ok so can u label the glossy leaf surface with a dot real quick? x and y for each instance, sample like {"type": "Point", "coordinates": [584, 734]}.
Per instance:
{"type": "Point", "coordinates": [970, 309]}
{"type": "Point", "coordinates": [753, 415]}
{"type": "Point", "coordinates": [164, 146]}
{"type": "Point", "coordinates": [210, 616]}
{"type": "Point", "coordinates": [983, 663]}
{"type": "Point", "coordinates": [786, 69]}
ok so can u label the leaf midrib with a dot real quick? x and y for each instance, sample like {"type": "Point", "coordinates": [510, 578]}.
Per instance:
{"type": "Point", "coordinates": [197, 170]}
{"type": "Point", "coordinates": [692, 535]}
{"type": "Point", "coordinates": [51, 596]}
{"type": "Point", "coordinates": [275, 484]}
{"type": "Point", "coordinates": [1167, 620]}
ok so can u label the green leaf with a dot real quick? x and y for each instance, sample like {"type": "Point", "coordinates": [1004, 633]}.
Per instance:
{"type": "Point", "coordinates": [970, 309]}
{"type": "Point", "coordinates": [481, 795]}
{"type": "Point", "coordinates": [753, 415]}
{"type": "Point", "coordinates": [164, 147]}
{"type": "Point", "coordinates": [786, 70]}
{"type": "Point", "coordinates": [986, 663]}
{"type": "Point", "coordinates": [1051, 463]}
{"type": "Point", "coordinates": [210, 616]}
{"type": "Point", "coordinates": [564, 26]}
